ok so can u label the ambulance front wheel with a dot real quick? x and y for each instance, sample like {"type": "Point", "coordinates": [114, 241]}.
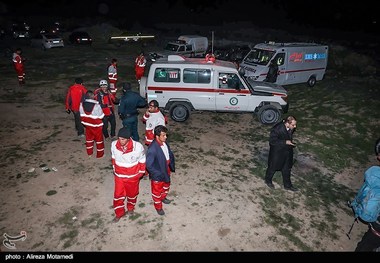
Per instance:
{"type": "Point", "coordinates": [269, 114]}
{"type": "Point", "coordinates": [311, 82]}
{"type": "Point", "coordinates": [179, 112]}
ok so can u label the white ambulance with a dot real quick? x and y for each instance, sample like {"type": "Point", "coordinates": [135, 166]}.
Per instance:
{"type": "Point", "coordinates": [297, 62]}
{"type": "Point", "coordinates": [182, 85]}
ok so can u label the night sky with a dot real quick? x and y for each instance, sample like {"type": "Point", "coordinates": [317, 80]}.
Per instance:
{"type": "Point", "coordinates": [332, 15]}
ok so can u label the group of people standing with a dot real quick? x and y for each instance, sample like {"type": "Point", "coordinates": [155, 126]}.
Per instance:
{"type": "Point", "coordinates": [130, 163]}
{"type": "Point", "coordinates": [94, 112]}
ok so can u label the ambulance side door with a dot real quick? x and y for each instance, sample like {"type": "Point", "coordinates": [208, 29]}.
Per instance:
{"type": "Point", "coordinates": [231, 94]}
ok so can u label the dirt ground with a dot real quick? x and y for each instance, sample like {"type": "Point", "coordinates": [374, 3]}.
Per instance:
{"type": "Point", "coordinates": [78, 216]}
{"type": "Point", "coordinates": [63, 200]}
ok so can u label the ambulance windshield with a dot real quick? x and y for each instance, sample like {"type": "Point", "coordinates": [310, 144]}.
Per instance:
{"type": "Point", "coordinates": [259, 57]}
{"type": "Point", "coordinates": [171, 47]}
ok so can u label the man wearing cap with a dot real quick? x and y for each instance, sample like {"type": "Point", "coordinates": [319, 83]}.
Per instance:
{"type": "Point", "coordinates": [74, 97]}
{"type": "Point", "coordinates": [128, 109]}
{"type": "Point", "coordinates": [128, 162]}
{"type": "Point", "coordinates": [106, 101]}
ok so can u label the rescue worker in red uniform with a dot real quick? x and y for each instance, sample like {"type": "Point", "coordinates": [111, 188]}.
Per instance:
{"type": "Point", "coordinates": [74, 97]}
{"type": "Point", "coordinates": [18, 63]}
{"type": "Point", "coordinates": [112, 76]}
{"type": "Point", "coordinates": [91, 115]}
{"type": "Point", "coordinates": [152, 118]}
{"type": "Point", "coordinates": [128, 162]}
{"type": "Point", "coordinates": [106, 101]}
{"type": "Point", "coordinates": [140, 63]}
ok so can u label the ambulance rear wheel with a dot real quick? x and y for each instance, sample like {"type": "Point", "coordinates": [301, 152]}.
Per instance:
{"type": "Point", "coordinates": [269, 114]}
{"type": "Point", "coordinates": [179, 112]}
{"type": "Point", "coordinates": [311, 82]}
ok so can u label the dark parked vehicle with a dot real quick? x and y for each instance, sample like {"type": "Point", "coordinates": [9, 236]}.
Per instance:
{"type": "Point", "coordinates": [234, 53]}
{"type": "Point", "coordinates": [20, 30]}
{"type": "Point", "coordinates": [80, 37]}
{"type": "Point", "coordinates": [237, 53]}
{"type": "Point", "coordinates": [57, 28]}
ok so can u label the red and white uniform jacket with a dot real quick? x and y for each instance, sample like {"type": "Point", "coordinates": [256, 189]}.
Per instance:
{"type": "Point", "coordinates": [112, 77]}
{"type": "Point", "coordinates": [74, 97]}
{"type": "Point", "coordinates": [140, 63]}
{"type": "Point", "coordinates": [106, 101]}
{"type": "Point", "coordinates": [91, 114]}
{"type": "Point", "coordinates": [18, 63]}
{"type": "Point", "coordinates": [153, 119]}
{"type": "Point", "coordinates": [128, 161]}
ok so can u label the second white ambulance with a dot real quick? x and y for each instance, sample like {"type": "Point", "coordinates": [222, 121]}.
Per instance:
{"type": "Point", "coordinates": [297, 62]}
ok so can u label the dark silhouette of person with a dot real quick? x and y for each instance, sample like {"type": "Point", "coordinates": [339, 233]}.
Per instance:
{"type": "Point", "coordinates": [272, 72]}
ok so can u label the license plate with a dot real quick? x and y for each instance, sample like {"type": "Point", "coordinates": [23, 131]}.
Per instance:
{"type": "Point", "coordinates": [55, 41]}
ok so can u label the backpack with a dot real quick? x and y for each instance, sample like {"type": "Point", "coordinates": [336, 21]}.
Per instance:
{"type": "Point", "coordinates": [366, 204]}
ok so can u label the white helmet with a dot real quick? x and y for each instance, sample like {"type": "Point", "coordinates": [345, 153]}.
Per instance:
{"type": "Point", "coordinates": [103, 82]}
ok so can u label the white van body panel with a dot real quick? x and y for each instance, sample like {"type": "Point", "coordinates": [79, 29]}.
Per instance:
{"type": "Point", "coordinates": [185, 45]}
{"type": "Point", "coordinates": [297, 62]}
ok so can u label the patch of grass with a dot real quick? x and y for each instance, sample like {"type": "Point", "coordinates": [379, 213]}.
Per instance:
{"type": "Point", "coordinates": [67, 218]}
{"type": "Point", "coordinates": [211, 152]}
{"type": "Point", "coordinates": [184, 166]}
{"type": "Point", "coordinates": [291, 236]}
{"type": "Point", "coordinates": [226, 158]}
{"type": "Point", "coordinates": [175, 137]}
{"type": "Point", "coordinates": [17, 96]}
{"type": "Point", "coordinates": [39, 244]}
{"type": "Point", "coordinates": [95, 221]}
{"type": "Point", "coordinates": [70, 235]}
{"type": "Point", "coordinates": [353, 105]}
{"type": "Point", "coordinates": [153, 233]}
{"type": "Point", "coordinates": [58, 97]}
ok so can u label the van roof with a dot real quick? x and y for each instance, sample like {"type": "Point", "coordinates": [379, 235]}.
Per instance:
{"type": "Point", "coordinates": [180, 60]}
{"type": "Point", "coordinates": [190, 36]}
{"type": "Point", "coordinates": [292, 44]}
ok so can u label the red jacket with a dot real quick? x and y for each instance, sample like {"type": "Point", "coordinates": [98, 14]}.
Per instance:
{"type": "Point", "coordinates": [74, 97]}
{"type": "Point", "coordinates": [18, 62]}
{"type": "Point", "coordinates": [106, 101]}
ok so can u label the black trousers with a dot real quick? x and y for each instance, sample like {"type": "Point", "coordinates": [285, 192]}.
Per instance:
{"type": "Point", "coordinates": [112, 121]}
{"type": "Point", "coordinates": [286, 171]}
{"type": "Point", "coordinates": [369, 242]}
{"type": "Point", "coordinates": [78, 124]}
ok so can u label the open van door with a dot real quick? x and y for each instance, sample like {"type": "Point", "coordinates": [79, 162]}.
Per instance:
{"type": "Point", "coordinates": [143, 87]}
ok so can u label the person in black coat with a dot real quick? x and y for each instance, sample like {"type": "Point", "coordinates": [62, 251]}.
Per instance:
{"type": "Point", "coordinates": [272, 72]}
{"type": "Point", "coordinates": [160, 163]}
{"type": "Point", "coordinates": [128, 109]}
{"type": "Point", "coordinates": [281, 152]}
